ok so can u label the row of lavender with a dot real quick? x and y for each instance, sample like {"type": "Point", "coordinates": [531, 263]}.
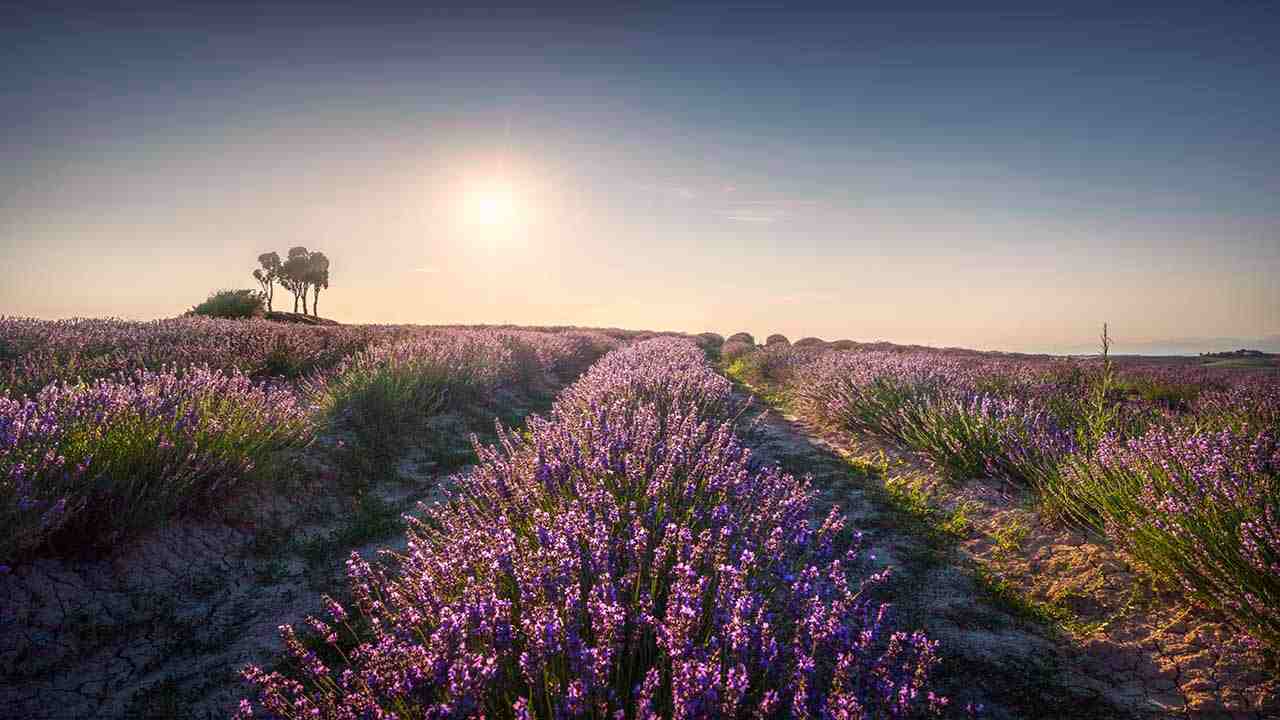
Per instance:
{"type": "Point", "coordinates": [87, 458]}
{"type": "Point", "coordinates": [35, 353]}
{"type": "Point", "coordinates": [1177, 464]}
{"type": "Point", "coordinates": [622, 558]}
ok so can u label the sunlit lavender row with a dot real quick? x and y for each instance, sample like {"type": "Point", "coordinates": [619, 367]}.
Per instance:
{"type": "Point", "coordinates": [94, 460]}
{"type": "Point", "coordinates": [1176, 464]}
{"type": "Point", "coordinates": [34, 353]}
{"type": "Point", "coordinates": [111, 444]}
{"type": "Point", "coordinates": [622, 558]}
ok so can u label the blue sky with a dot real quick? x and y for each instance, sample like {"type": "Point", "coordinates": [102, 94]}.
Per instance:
{"type": "Point", "coordinates": [992, 176]}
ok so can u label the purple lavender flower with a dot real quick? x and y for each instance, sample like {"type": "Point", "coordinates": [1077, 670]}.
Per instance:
{"type": "Point", "coordinates": [624, 557]}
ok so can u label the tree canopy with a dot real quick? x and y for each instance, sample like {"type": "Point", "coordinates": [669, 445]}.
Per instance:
{"type": "Point", "coordinates": [301, 272]}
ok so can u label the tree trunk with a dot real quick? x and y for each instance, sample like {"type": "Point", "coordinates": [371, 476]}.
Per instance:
{"type": "Point", "coordinates": [271, 293]}
{"type": "Point", "coordinates": [304, 301]}
{"type": "Point", "coordinates": [315, 302]}
{"type": "Point", "coordinates": [295, 302]}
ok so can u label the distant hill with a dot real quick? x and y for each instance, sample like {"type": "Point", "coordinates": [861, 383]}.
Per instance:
{"type": "Point", "coordinates": [299, 318]}
{"type": "Point", "coordinates": [1191, 346]}
{"type": "Point", "coordinates": [1241, 353]}
{"type": "Point", "coordinates": [1241, 358]}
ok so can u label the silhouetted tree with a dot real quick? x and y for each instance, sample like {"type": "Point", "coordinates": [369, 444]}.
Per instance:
{"type": "Point", "coordinates": [294, 275]}
{"type": "Point", "coordinates": [301, 272]}
{"type": "Point", "coordinates": [267, 275]}
{"type": "Point", "coordinates": [318, 277]}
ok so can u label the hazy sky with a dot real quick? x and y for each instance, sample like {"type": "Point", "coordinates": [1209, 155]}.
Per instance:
{"type": "Point", "coordinates": [994, 176]}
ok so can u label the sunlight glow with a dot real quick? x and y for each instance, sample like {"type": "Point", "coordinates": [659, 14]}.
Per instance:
{"type": "Point", "coordinates": [492, 203]}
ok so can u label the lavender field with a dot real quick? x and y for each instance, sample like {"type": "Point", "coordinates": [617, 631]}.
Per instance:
{"type": "Point", "coordinates": [433, 360]}
{"type": "Point", "coordinates": [1084, 487]}
{"type": "Point", "coordinates": [511, 522]}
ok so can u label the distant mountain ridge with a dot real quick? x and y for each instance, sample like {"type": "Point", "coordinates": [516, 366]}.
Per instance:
{"type": "Point", "coordinates": [1182, 346]}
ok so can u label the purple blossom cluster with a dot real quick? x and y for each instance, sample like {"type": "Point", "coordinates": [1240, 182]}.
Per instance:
{"type": "Point", "coordinates": [972, 417]}
{"type": "Point", "coordinates": [1197, 508]}
{"type": "Point", "coordinates": [102, 456]}
{"type": "Point", "coordinates": [999, 436]}
{"type": "Point", "coordinates": [666, 372]}
{"type": "Point", "coordinates": [1251, 402]}
{"type": "Point", "coordinates": [623, 558]}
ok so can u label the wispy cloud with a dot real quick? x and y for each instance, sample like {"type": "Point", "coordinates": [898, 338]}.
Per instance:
{"type": "Point", "coordinates": [795, 202]}
{"type": "Point", "coordinates": [672, 191]}
{"type": "Point", "coordinates": [727, 200]}
{"type": "Point", "coordinates": [765, 211]}
{"type": "Point", "coordinates": [748, 215]}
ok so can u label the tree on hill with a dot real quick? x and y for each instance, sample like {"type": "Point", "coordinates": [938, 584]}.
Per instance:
{"type": "Point", "coordinates": [318, 277]}
{"type": "Point", "coordinates": [302, 272]}
{"type": "Point", "coordinates": [267, 275]}
{"type": "Point", "coordinates": [294, 274]}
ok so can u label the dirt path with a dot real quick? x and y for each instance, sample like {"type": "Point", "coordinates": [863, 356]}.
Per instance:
{"type": "Point", "coordinates": [993, 654]}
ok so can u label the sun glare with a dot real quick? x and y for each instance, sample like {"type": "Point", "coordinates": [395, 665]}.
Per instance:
{"type": "Point", "coordinates": [492, 203]}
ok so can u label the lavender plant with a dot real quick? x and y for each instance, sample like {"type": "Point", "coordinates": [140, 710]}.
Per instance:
{"type": "Point", "coordinates": [665, 372]}
{"type": "Point", "coordinates": [733, 349]}
{"type": "Point", "coordinates": [623, 558]}
{"type": "Point", "coordinates": [773, 363]}
{"type": "Point", "coordinates": [386, 391]}
{"type": "Point", "coordinates": [105, 456]}
{"type": "Point", "coordinates": [102, 458]}
{"type": "Point", "coordinates": [35, 353]}
{"type": "Point", "coordinates": [1177, 465]}
{"type": "Point", "coordinates": [939, 405]}
{"type": "Point", "coordinates": [1196, 509]}
{"type": "Point", "coordinates": [1014, 420]}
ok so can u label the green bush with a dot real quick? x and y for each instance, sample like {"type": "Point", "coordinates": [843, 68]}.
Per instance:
{"type": "Point", "coordinates": [232, 304]}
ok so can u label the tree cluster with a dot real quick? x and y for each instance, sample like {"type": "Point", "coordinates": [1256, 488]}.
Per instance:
{"type": "Point", "coordinates": [303, 271]}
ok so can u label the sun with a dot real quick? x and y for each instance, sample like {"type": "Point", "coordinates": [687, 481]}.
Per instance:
{"type": "Point", "coordinates": [492, 202]}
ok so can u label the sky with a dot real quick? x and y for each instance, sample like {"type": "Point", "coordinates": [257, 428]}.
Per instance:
{"type": "Point", "coordinates": [997, 176]}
